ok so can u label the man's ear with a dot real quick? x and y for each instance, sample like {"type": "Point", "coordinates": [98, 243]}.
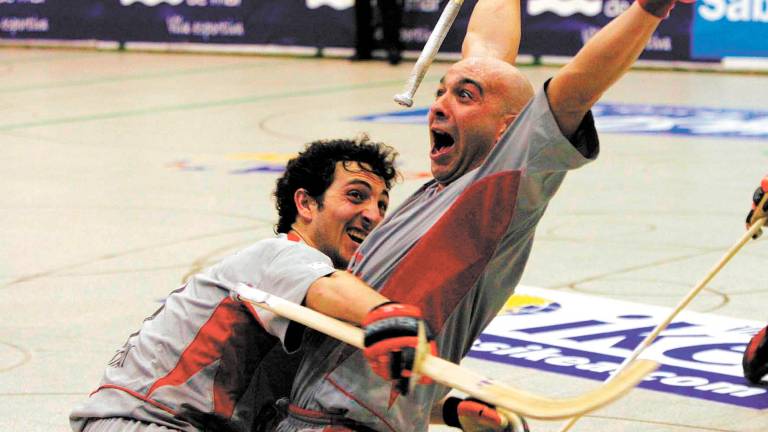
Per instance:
{"type": "Point", "coordinates": [506, 121]}
{"type": "Point", "coordinates": [305, 204]}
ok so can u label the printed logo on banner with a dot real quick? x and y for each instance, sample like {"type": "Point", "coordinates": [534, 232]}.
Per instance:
{"type": "Point", "coordinates": [335, 4]}
{"type": "Point", "coordinates": [585, 336]}
{"type": "Point", "coordinates": [723, 28]}
{"type": "Point", "coordinates": [645, 119]}
{"type": "Point", "coordinates": [16, 25]}
{"type": "Point", "coordinates": [192, 3]}
{"type": "Point", "coordinates": [565, 8]}
{"type": "Point", "coordinates": [22, 2]}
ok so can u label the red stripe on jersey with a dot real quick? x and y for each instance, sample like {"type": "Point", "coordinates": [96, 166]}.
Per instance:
{"type": "Point", "coordinates": [210, 344]}
{"type": "Point", "coordinates": [137, 396]}
{"type": "Point", "coordinates": [446, 262]}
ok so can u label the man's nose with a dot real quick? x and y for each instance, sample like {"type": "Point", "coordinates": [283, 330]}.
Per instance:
{"type": "Point", "coordinates": [437, 109]}
{"type": "Point", "coordinates": [371, 216]}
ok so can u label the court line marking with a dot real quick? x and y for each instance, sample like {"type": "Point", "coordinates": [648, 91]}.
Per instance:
{"type": "Point", "coordinates": [162, 74]}
{"type": "Point", "coordinates": [200, 105]}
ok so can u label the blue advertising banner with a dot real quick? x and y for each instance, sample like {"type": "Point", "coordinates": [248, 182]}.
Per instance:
{"type": "Point", "coordinates": [642, 119]}
{"type": "Point", "coordinates": [550, 27]}
{"type": "Point", "coordinates": [280, 22]}
{"type": "Point", "coordinates": [50, 19]}
{"type": "Point", "coordinates": [562, 27]}
{"type": "Point", "coordinates": [730, 28]}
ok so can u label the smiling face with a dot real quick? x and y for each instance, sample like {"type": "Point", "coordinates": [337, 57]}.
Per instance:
{"type": "Point", "coordinates": [475, 102]}
{"type": "Point", "coordinates": [351, 207]}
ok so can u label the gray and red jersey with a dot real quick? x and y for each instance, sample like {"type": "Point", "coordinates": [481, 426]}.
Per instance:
{"type": "Point", "coordinates": [195, 358]}
{"type": "Point", "coordinates": [458, 254]}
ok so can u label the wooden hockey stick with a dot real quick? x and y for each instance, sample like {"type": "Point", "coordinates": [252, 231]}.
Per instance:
{"type": "Point", "coordinates": [451, 374]}
{"type": "Point", "coordinates": [429, 52]}
{"type": "Point", "coordinates": [753, 230]}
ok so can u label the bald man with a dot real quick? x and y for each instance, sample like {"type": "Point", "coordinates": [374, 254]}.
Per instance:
{"type": "Point", "coordinates": [457, 247]}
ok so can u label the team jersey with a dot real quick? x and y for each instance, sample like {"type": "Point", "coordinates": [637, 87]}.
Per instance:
{"type": "Point", "coordinates": [193, 360]}
{"type": "Point", "coordinates": [458, 254]}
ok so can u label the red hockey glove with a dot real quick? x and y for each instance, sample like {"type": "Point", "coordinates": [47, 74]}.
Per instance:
{"type": "Point", "coordinates": [472, 415]}
{"type": "Point", "coordinates": [391, 338]}
{"type": "Point", "coordinates": [660, 8]}
{"type": "Point", "coordinates": [759, 205]}
{"type": "Point", "coordinates": [755, 361]}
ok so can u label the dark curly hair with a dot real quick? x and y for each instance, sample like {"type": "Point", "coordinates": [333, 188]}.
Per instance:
{"type": "Point", "coordinates": [313, 169]}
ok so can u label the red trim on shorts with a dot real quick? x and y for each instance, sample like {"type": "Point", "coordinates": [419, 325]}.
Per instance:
{"type": "Point", "coordinates": [361, 403]}
{"type": "Point", "coordinates": [137, 396]}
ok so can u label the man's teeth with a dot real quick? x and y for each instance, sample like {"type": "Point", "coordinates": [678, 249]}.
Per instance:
{"type": "Point", "coordinates": [356, 235]}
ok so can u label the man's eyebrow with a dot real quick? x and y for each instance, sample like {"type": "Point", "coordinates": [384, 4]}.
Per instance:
{"type": "Point", "coordinates": [464, 81]}
{"type": "Point", "coordinates": [357, 181]}
{"type": "Point", "coordinates": [366, 184]}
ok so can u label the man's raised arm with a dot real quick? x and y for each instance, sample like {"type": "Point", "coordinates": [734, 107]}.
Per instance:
{"type": "Point", "coordinates": [602, 61]}
{"type": "Point", "coordinates": [493, 30]}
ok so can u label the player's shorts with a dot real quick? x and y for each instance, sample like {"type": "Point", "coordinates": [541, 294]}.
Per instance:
{"type": "Point", "coordinates": [119, 424]}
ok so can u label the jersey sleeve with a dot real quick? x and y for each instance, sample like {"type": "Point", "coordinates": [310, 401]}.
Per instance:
{"type": "Point", "coordinates": [289, 276]}
{"type": "Point", "coordinates": [535, 144]}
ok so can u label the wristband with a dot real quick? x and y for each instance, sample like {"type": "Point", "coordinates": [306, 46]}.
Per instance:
{"type": "Point", "coordinates": [658, 8]}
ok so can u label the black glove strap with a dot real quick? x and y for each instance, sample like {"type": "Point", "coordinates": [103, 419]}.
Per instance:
{"type": "Point", "coordinates": [451, 411]}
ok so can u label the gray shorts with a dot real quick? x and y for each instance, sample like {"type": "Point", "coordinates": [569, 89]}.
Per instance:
{"type": "Point", "coordinates": [119, 424]}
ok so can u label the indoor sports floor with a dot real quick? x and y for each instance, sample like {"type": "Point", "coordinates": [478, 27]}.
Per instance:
{"type": "Point", "coordinates": [123, 173]}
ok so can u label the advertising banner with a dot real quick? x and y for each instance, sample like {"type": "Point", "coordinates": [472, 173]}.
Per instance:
{"type": "Point", "coordinates": [51, 19]}
{"type": "Point", "coordinates": [279, 22]}
{"type": "Point", "coordinates": [706, 122]}
{"type": "Point", "coordinates": [730, 28]}
{"type": "Point", "coordinates": [589, 337]}
{"type": "Point", "coordinates": [562, 27]}
{"type": "Point", "coordinates": [550, 27]}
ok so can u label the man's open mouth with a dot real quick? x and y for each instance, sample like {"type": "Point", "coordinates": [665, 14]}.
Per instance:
{"type": "Point", "coordinates": [357, 235]}
{"type": "Point", "coordinates": [441, 141]}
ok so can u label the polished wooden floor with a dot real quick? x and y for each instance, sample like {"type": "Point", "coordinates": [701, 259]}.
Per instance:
{"type": "Point", "coordinates": [122, 173]}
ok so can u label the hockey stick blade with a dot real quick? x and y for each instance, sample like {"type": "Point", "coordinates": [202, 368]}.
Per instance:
{"type": "Point", "coordinates": [452, 375]}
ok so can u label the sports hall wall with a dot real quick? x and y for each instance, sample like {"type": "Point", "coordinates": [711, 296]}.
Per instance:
{"type": "Point", "coordinates": [708, 31]}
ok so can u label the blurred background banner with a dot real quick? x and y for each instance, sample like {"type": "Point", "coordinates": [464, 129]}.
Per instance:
{"type": "Point", "coordinates": [561, 27]}
{"type": "Point", "coordinates": [724, 28]}
{"type": "Point", "coordinates": [54, 19]}
{"type": "Point", "coordinates": [710, 30]}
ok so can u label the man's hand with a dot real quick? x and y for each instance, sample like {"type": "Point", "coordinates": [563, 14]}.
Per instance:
{"type": "Point", "coordinates": [391, 340]}
{"type": "Point", "coordinates": [755, 361]}
{"type": "Point", "coordinates": [759, 205]}
{"type": "Point", "coordinates": [660, 8]}
{"type": "Point", "coordinates": [472, 415]}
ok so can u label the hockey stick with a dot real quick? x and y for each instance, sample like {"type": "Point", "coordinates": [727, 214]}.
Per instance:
{"type": "Point", "coordinates": [429, 52]}
{"type": "Point", "coordinates": [754, 229]}
{"type": "Point", "coordinates": [451, 374]}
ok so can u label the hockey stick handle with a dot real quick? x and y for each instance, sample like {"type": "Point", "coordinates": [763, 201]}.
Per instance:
{"type": "Point", "coordinates": [429, 52]}
{"type": "Point", "coordinates": [450, 374]}
{"type": "Point", "coordinates": [757, 226]}
{"type": "Point", "coordinates": [648, 340]}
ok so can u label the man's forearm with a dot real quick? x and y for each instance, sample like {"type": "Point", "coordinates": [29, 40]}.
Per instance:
{"type": "Point", "coordinates": [600, 63]}
{"type": "Point", "coordinates": [343, 296]}
{"type": "Point", "coordinates": [493, 30]}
